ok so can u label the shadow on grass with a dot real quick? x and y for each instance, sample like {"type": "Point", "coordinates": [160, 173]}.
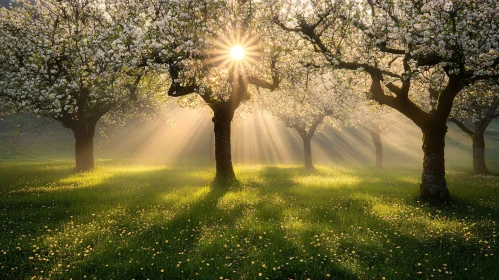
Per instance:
{"type": "Point", "coordinates": [170, 223]}
{"type": "Point", "coordinates": [22, 175]}
{"type": "Point", "coordinates": [37, 214]}
{"type": "Point", "coordinates": [182, 230]}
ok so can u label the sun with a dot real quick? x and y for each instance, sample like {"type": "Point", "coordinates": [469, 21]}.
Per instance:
{"type": "Point", "coordinates": [237, 52]}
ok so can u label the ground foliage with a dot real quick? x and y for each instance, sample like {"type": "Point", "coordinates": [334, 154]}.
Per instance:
{"type": "Point", "coordinates": [279, 222]}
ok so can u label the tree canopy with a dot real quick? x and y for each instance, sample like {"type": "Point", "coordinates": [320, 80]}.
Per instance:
{"type": "Point", "coordinates": [82, 62]}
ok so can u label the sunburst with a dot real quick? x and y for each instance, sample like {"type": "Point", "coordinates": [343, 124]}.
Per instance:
{"type": "Point", "coordinates": [237, 51]}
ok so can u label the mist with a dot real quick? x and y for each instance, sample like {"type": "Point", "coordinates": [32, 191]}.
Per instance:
{"type": "Point", "coordinates": [185, 136]}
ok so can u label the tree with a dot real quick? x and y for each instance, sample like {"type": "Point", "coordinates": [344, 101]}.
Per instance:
{"type": "Point", "coordinates": [306, 103]}
{"type": "Point", "coordinates": [377, 120]}
{"type": "Point", "coordinates": [226, 57]}
{"type": "Point", "coordinates": [72, 61]}
{"type": "Point", "coordinates": [394, 43]}
{"type": "Point", "coordinates": [474, 110]}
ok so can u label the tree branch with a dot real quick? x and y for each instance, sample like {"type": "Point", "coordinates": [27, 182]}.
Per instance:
{"type": "Point", "coordinates": [462, 126]}
{"type": "Point", "coordinates": [403, 105]}
{"type": "Point", "coordinates": [300, 131]}
{"type": "Point", "coordinates": [368, 68]}
{"type": "Point", "coordinates": [176, 89]}
{"type": "Point", "coordinates": [489, 116]}
{"type": "Point", "coordinates": [285, 27]}
{"type": "Point", "coordinates": [309, 31]}
{"type": "Point", "coordinates": [132, 88]}
{"type": "Point", "coordinates": [448, 94]}
{"type": "Point", "coordinates": [315, 124]}
{"type": "Point", "coordinates": [265, 84]}
{"type": "Point", "coordinates": [429, 61]}
{"type": "Point", "coordinates": [484, 77]}
{"type": "Point", "coordinates": [382, 46]}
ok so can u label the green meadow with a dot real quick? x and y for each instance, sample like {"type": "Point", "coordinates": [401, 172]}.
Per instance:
{"type": "Point", "coordinates": [127, 221]}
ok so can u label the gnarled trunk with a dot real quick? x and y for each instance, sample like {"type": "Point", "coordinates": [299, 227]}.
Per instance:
{"type": "Point", "coordinates": [376, 137]}
{"type": "Point", "coordinates": [84, 145]}
{"type": "Point", "coordinates": [307, 151]}
{"type": "Point", "coordinates": [222, 121]}
{"type": "Point", "coordinates": [479, 166]}
{"type": "Point", "coordinates": [434, 185]}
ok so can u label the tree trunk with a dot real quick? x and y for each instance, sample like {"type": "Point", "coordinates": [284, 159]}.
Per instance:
{"type": "Point", "coordinates": [84, 146]}
{"type": "Point", "coordinates": [222, 121]}
{"type": "Point", "coordinates": [307, 151]}
{"type": "Point", "coordinates": [434, 185]}
{"type": "Point", "coordinates": [479, 166]}
{"type": "Point", "coordinates": [376, 136]}
{"type": "Point", "coordinates": [212, 148]}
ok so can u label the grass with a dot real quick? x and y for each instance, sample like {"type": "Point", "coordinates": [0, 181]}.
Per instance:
{"type": "Point", "coordinates": [279, 222]}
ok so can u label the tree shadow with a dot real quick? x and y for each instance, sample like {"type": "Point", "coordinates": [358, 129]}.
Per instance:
{"type": "Point", "coordinates": [378, 243]}
{"type": "Point", "coordinates": [42, 214]}
{"type": "Point", "coordinates": [179, 221]}
{"type": "Point", "coordinates": [462, 209]}
{"type": "Point", "coordinates": [182, 232]}
{"type": "Point", "coordinates": [15, 174]}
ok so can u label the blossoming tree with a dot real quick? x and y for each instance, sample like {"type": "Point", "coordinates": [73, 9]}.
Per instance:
{"type": "Point", "coordinates": [474, 109]}
{"type": "Point", "coordinates": [307, 102]}
{"type": "Point", "coordinates": [71, 61]}
{"type": "Point", "coordinates": [227, 55]}
{"type": "Point", "coordinates": [394, 43]}
{"type": "Point", "coordinates": [377, 120]}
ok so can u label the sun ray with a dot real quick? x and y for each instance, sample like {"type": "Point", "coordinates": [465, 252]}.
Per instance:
{"type": "Point", "coordinates": [237, 50]}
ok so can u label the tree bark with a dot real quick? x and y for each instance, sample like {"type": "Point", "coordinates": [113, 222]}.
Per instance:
{"type": "Point", "coordinates": [376, 137]}
{"type": "Point", "coordinates": [212, 148]}
{"type": "Point", "coordinates": [479, 166]}
{"type": "Point", "coordinates": [307, 151]}
{"type": "Point", "coordinates": [434, 185]}
{"type": "Point", "coordinates": [222, 119]}
{"type": "Point", "coordinates": [84, 132]}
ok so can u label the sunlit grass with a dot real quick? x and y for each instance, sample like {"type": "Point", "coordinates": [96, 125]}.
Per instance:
{"type": "Point", "coordinates": [279, 222]}
{"type": "Point", "coordinates": [321, 181]}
